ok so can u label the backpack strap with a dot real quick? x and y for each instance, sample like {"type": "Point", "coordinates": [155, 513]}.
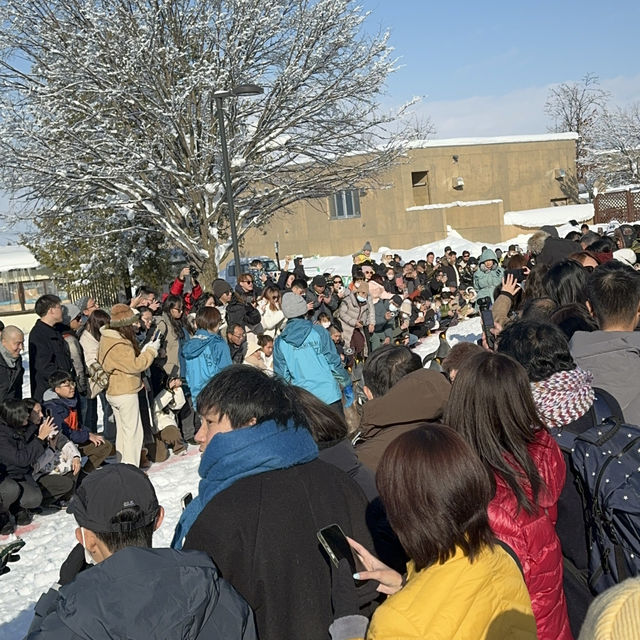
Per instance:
{"type": "Point", "coordinates": [602, 411]}
{"type": "Point", "coordinates": [512, 553]}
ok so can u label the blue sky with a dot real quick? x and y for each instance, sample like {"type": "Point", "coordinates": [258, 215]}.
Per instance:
{"type": "Point", "coordinates": [485, 68]}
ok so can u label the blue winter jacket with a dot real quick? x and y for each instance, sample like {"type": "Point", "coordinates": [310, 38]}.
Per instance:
{"type": "Point", "coordinates": [204, 355]}
{"type": "Point", "coordinates": [305, 355]}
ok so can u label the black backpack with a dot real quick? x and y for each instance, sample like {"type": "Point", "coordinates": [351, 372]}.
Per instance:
{"type": "Point", "coordinates": [606, 460]}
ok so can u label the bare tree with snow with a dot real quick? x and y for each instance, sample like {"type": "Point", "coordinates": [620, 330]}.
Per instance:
{"type": "Point", "coordinates": [576, 107]}
{"type": "Point", "coordinates": [108, 109]}
{"type": "Point", "coordinates": [616, 159]}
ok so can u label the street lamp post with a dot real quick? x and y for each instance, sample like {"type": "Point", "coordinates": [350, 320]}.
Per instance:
{"type": "Point", "coordinates": [240, 90]}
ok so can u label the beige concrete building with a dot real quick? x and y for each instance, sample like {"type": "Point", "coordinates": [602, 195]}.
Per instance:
{"type": "Point", "coordinates": [464, 183]}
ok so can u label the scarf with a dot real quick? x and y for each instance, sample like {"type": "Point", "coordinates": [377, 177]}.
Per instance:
{"type": "Point", "coordinates": [563, 397]}
{"type": "Point", "coordinates": [242, 453]}
{"type": "Point", "coordinates": [12, 362]}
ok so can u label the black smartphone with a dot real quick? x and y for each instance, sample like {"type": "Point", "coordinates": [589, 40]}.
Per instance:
{"type": "Point", "coordinates": [518, 274]}
{"type": "Point", "coordinates": [337, 546]}
{"type": "Point", "coordinates": [47, 413]}
{"type": "Point", "coordinates": [487, 324]}
{"type": "Point", "coordinates": [156, 335]}
{"type": "Point", "coordinates": [186, 499]}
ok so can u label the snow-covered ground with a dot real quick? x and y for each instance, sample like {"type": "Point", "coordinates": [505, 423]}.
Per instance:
{"type": "Point", "coordinates": [51, 537]}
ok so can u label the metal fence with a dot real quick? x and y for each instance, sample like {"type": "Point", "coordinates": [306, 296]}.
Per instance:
{"type": "Point", "coordinates": [104, 292]}
{"type": "Point", "coordinates": [623, 206]}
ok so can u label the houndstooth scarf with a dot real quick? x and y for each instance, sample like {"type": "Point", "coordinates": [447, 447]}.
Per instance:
{"type": "Point", "coordinates": [563, 397]}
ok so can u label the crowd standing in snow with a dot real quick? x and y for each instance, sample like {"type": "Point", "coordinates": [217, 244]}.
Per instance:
{"type": "Point", "coordinates": [487, 490]}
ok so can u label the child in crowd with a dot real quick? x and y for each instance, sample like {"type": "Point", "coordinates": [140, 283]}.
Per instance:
{"type": "Point", "coordinates": [165, 425]}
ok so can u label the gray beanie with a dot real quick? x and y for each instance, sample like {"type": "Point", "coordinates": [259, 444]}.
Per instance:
{"type": "Point", "coordinates": [367, 246]}
{"type": "Point", "coordinates": [293, 305]}
{"type": "Point", "coordinates": [83, 302]}
{"type": "Point", "coordinates": [69, 312]}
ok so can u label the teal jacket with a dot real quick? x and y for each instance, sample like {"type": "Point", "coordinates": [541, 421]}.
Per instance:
{"type": "Point", "coordinates": [486, 280]}
{"type": "Point", "coordinates": [305, 355]}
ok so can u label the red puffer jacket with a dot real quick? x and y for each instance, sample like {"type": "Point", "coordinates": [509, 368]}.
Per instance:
{"type": "Point", "coordinates": [533, 538]}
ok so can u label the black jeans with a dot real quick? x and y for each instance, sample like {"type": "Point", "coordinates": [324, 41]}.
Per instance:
{"type": "Point", "coordinates": [9, 493]}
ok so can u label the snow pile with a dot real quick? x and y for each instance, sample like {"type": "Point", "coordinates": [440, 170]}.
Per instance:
{"type": "Point", "coordinates": [536, 218]}
{"type": "Point", "coordinates": [16, 257]}
{"type": "Point", "coordinates": [457, 203]}
{"type": "Point", "coordinates": [466, 142]}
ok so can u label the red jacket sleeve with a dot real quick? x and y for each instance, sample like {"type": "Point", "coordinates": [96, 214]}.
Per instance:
{"type": "Point", "coordinates": [177, 287]}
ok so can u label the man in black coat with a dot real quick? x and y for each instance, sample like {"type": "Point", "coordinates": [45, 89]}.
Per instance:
{"type": "Point", "coordinates": [48, 350]}
{"type": "Point", "coordinates": [263, 497]}
{"type": "Point", "coordinates": [11, 368]}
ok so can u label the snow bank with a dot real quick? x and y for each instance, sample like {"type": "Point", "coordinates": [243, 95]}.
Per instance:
{"type": "Point", "coordinates": [536, 218]}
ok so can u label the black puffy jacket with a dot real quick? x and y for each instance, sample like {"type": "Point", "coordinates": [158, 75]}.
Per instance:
{"type": "Point", "coordinates": [19, 449]}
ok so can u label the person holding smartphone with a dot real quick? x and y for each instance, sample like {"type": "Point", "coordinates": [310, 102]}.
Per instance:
{"type": "Point", "coordinates": [460, 581]}
{"type": "Point", "coordinates": [123, 359]}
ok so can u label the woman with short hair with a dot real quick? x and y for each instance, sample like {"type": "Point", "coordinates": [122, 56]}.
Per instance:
{"type": "Point", "coordinates": [460, 582]}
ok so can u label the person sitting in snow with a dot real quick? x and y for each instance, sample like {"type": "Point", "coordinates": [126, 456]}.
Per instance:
{"type": "Point", "coordinates": [134, 590]}
{"type": "Point", "coordinates": [166, 405]}
{"type": "Point", "coordinates": [60, 401]}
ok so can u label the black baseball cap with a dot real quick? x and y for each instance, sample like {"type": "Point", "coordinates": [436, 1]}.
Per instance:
{"type": "Point", "coordinates": [109, 490]}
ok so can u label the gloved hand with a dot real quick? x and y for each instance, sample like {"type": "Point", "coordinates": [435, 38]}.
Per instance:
{"type": "Point", "coordinates": [9, 553]}
{"type": "Point", "coordinates": [153, 344]}
{"type": "Point", "coordinates": [348, 396]}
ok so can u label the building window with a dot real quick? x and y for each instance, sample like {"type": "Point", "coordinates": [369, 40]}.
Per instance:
{"type": "Point", "coordinates": [345, 204]}
{"type": "Point", "coordinates": [420, 188]}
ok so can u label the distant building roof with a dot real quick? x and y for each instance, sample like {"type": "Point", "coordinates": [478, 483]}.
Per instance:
{"type": "Point", "coordinates": [16, 257]}
{"type": "Point", "coordinates": [462, 142]}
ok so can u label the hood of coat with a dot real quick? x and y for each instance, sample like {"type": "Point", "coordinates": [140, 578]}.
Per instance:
{"type": "Point", "coordinates": [296, 331]}
{"type": "Point", "coordinates": [155, 592]}
{"type": "Point", "coordinates": [199, 342]}
{"type": "Point", "coordinates": [488, 254]}
{"type": "Point", "coordinates": [420, 396]}
{"type": "Point", "coordinates": [52, 397]}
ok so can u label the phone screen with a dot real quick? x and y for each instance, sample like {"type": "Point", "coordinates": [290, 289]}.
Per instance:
{"type": "Point", "coordinates": [337, 547]}
{"type": "Point", "coordinates": [186, 499]}
{"type": "Point", "coordinates": [487, 318]}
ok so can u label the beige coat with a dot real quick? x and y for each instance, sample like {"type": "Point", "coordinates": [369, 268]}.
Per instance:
{"type": "Point", "coordinates": [118, 357]}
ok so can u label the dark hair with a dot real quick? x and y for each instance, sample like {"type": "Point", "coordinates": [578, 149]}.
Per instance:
{"type": "Point", "coordinates": [231, 328]}
{"type": "Point", "coordinates": [516, 261]}
{"type": "Point", "coordinates": [603, 244]}
{"type": "Point", "coordinates": [377, 278]}
{"type": "Point", "coordinates": [299, 282]}
{"type": "Point", "coordinates": [59, 377]}
{"type": "Point", "coordinates": [540, 308]}
{"type": "Point", "coordinates": [202, 300]}
{"type": "Point", "coordinates": [491, 406]}
{"type": "Point", "coordinates": [581, 256]}
{"type": "Point", "coordinates": [254, 263]}
{"type": "Point", "coordinates": [436, 492]}
{"type": "Point", "coordinates": [535, 288]}
{"type": "Point", "coordinates": [566, 282]}
{"type": "Point", "coordinates": [386, 366]}
{"type": "Point", "coordinates": [242, 393]}
{"type": "Point", "coordinates": [322, 421]}
{"type": "Point", "coordinates": [614, 293]}
{"type": "Point", "coordinates": [574, 236]}
{"type": "Point", "coordinates": [540, 347]}
{"type": "Point", "coordinates": [129, 333]}
{"type": "Point", "coordinates": [44, 303]}
{"type": "Point", "coordinates": [144, 290]}
{"type": "Point", "coordinates": [98, 319]}
{"type": "Point", "coordinates": [177, 324]}
{"type": "Point", "coordinates": [431, 254]}
{"type": "Point", "coordinates": [208, 318]}
{"type": "Point", "coordinates": [589, 238]}
{"type": "Point", "coordinates": [458, 355]}
{"type": "Point", "coordinates": [264, 339]}
{"type": "Point", "coordinates": [14, 412]}
{"type": "Point", "coordinates": [138, 537]}
{"type": "Point", "coordinates": [570, 318]}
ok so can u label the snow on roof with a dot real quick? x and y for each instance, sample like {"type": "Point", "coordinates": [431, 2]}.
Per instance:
{"type": "Point", "coordinates": [465, 142]}
{"type": "Point", "coordinates": [535, 218]}
{"type": "Point", "coordinates": [16, 257]}
{"type": "Point", "coordinates": [458, 203]}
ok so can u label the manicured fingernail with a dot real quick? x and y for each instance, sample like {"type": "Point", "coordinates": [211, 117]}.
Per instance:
{"type": "Point", "coordinates": [356, 576]}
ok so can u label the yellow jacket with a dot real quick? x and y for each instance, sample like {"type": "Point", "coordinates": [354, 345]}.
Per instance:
{"type": "Point", "coordinates": [459, 600]}
{"type": "Point", "coordinates": [117, 357]}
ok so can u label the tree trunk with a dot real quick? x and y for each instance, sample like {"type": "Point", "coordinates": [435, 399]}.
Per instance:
{"type": "Point", "coordinates": [209, 273]}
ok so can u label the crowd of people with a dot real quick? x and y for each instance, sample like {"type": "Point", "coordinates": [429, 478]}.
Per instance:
{"type": "Point", "coordinates": [491, 492]}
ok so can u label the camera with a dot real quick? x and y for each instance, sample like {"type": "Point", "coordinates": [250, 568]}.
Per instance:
{"type": "Point", "coordinates": [484, 303]}
{"type": "Point", "coordinates": [393, 313]}
{"type": "Point", "coordinates": [348, 351]}
{"type": "Point", "coordinates": [194, 272]}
